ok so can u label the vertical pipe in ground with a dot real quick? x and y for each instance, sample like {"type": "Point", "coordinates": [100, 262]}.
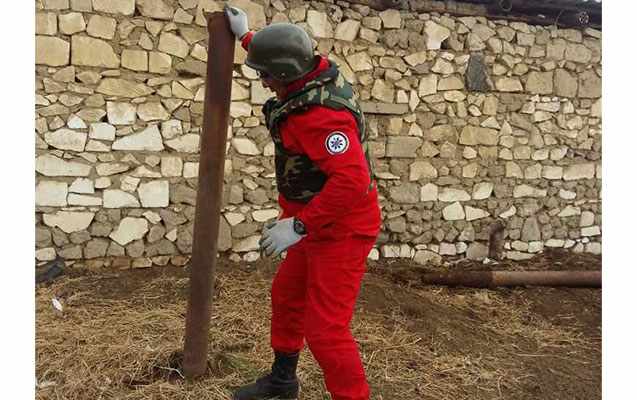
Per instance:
{"type": "Point", "coordinates": [209, 192]}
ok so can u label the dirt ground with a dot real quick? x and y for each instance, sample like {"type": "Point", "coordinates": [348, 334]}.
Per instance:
{"type": "Point", "coordinates": [118, 331]}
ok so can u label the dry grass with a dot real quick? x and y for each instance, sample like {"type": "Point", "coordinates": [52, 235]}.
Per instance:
{"type": "Point", "coordinates": [116, 337]}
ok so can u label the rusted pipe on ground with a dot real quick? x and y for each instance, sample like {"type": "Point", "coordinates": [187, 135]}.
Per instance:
{"type": "Point", "coordinates": [490, 279]}
{"type": "Point", "coordinates": [209, 192]}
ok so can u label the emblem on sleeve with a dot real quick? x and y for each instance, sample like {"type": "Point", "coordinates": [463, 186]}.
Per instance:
{"type": "Point", "coordinates": [336, 143]}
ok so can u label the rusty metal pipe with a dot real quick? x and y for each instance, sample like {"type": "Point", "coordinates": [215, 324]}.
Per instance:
{"type": "Point", "coordinates": [490, 279]}
{"type": "Point", "coordinates": [209, 192]}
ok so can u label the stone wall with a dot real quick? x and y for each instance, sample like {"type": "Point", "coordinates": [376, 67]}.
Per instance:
{"type": "Point", "coordinates": [471, 120]}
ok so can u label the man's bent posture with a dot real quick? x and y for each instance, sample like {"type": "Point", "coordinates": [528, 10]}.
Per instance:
{"type": "Point", "coordinates": [330, 215]}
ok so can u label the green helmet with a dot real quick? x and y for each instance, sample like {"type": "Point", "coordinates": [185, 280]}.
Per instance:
{"type": "Point", "coordinates": [283, 51]}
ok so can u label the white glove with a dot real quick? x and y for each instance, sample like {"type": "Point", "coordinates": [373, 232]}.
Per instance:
{"type": "Point", "coordinates": [238, 21]}
{"type": "Point", "coordinates": [278, 236]}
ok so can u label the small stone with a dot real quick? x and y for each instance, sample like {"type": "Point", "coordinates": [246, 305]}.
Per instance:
{"type": "Point", "coordinates": [123, 88]}
{"type": "Point", "coordinates": [147, 140]}
{"type": "Point", "coordinates": [578, 53]}
{"type": "Point", "coordinates": [102, 183]}
{"type": "Point", "coordinates": [402, 146]}
{"type": "Point", "coordinates": [154, 194]}
{"type": "Point", "coordinates": [531, 230]}
{"type": "Point", "coordinates": [171, 166]}
{"type": "Point", "coordinates": [265, 215]}
{"type": "Point", "coordinates": [125, 7]}
{"type": "Point", "coordinates": [51, 194]}
{"type": "Point", "coordinates": [508, 213]}
{"type": "Point", "coordinates": [453, 212]}
{"type": "Point", "coordinates": [248, 244]}
{"type": "Point", "coordinates": [71, 23]}
{"type": "Point", "coordinates": [482, 190]}
{"type": "Point", "coordinates": [50, 165]}
{"type": "Point", "coordinates": [405, 194]}
{"type": "Point", "coordinates": [436, 34]}
{"type": "Point", "coordinates": [173, 44]}
{"type": "Point", "coordinates": [528, 191]}
{"type": "Point", "coordinates": [475, 213]}
{"type": "Point", "coordinates": [391, 18]}
{"type": "Point", "coordinates": [319, 24]}
{"type": "Point", "coordinates": [422, 169]}
{"type": "Point", "coordinates": [473, 135]}
{"type": "Point", "coordinates": [114, 198]}
{"type": "Point", "coordinates": [429, 192]}
{"type": "Point", "coordinates": [427, 257]}
{"type": "Point", "coordinates": [539, 82]}
{"type": "Point", "coordinates": [69, 221]}
{"type": "Point", "coordinates": [83, 200]}
{"type": "Point", "coordinates": [360, 62]}
{"type": "Point", "coordinates": [66, 139]}
{"type": "Point", "coordinates": [428, 85]}
{"type": "Point", "coordinates": [156, 9]}
{"type": "Point", "coordinates": [102, 131]}
{"type": "Point", "coordinates": [586, 219]}
{"type": "Point", "coordinates": [159, 63]}
{"type": "Point", "coordinates": [46, 23]}
{"type": "Point", "coordinates": [51, 51]}
{"type": "Point", "coordinates": [508, 84]}
{"type": "Point", "coordinates": [101, 27]}
{"type": "Point", "coordinates": [590, 85]}
{"type": "Point", "coordinates": [591, 231]}
{"type": "Point", "coordinates": [95, 248]}
{"type": "Point", "coordinates": [120, 113]}
{"type": "Point", "coordinates": [347, 30]}
{"type": "Point", "coordinates": [129, 229]}
{"type": "Point", "coordinates": [382, 91]}
{"type": "Point", "coordinates": [93, 52]}
{"type": "Point", "coordinates": [518, 255]}
{"type": "Point", "coordinates": [184, 144]}
{"type": "Point", "coordinates": [579, 171]}
{"type": "Point", "coordinates": [136, 60]}
{"type": "Point", "coordinates": [47, 254]}
{"type": "Point", "coordinates": [477, 251]}
{"type": "Point", "coordinates": [152, 111]}
{"type": "Point", "coordinates": [245, 146]}
{"type": "Point", "coordinates": [442, 67]}
{"type": "Point", "coordinates": [82, 185]}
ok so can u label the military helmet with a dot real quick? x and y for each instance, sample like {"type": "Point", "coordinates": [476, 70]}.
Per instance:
{"type": "Point", "coordinates": [283, 51]}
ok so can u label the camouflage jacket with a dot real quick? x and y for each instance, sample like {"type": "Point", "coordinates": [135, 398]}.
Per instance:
{"type": "Point", "coordinates": [298, 178]}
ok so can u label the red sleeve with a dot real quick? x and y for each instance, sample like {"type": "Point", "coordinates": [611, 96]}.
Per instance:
{"type": "Point", "coordinates": [245, 41]}
{"type": "Point", "coordinates": [330, 140]}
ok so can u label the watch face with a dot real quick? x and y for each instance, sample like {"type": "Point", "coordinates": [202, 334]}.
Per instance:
{"type": "Point", "coordinates": [299, 227]}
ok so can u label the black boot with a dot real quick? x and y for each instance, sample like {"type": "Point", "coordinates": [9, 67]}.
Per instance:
{"type": "Point", "coordinates": [281, 383]}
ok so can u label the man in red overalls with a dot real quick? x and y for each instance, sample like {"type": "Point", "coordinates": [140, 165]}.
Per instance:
{"type": "Point", "coordinates": [330, 215]}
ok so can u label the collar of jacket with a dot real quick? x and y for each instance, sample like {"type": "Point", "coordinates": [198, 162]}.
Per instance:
{"type": "Point", "coordinates": [322, 65]}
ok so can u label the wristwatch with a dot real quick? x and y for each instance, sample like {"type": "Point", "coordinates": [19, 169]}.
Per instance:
{"type": "Point", "coordinates": [299, 227]}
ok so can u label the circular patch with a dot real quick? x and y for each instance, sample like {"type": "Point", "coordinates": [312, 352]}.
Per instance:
{"type": "Point", "coordinates": [336, 143]}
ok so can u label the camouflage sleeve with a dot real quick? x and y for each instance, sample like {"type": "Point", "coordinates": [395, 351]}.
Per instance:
{"type": "Point", "coordinates": [330, 139]}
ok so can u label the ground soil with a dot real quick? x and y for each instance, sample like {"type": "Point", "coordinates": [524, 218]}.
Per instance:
{"type": "Point", "coordinates": [120, 332]}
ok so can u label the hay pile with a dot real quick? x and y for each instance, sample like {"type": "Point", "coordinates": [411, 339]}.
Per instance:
{"type": "Point", "coordinates": [118, 332]}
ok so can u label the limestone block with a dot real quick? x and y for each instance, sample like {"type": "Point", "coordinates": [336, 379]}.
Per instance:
{"type": "Point", "coordinates": [115, 198]}
{"type": "Point", "coordinates": [319, 24]}
{"type": "Point", "coordinates": [147, 140]}
{"type": "Point", "coordinates": [391, 18]}
{"type": "Point", "coordinates": [436, 34]}
{"type": "Point", "coordinates": [360, 61]}
{"type": "Point", "coordinates": [156, 9]}
{"type": "Point", "coordinates": [51, 194]}
{"type": "Point", "coordinates": [188, 143]}
{"type": "Point", "coordinates": [69, 221]}
{"type": "Point", "coordinates": [453, 212]}
{"type": "Point", "coordinates": [173, 44]}
{"type": "Point", "coordinates": [88, 51]}
{"type": "Point", "coordinates": [136, 60]}
{"type": "Point", "coordinates": [66, 139]}
{"type": "Point", "coordinates": [429, 192]}
{"type": "Point", "coordinates": [159, 63]}
{"type": "Point", "coordinates": [71, 23]}
{"type": "Point", "coordinates": [402, 146]}
{"type": "Point", "coordinates": [154, 194]}
{"type": "Point", "coordinates": [51, 51]}
{"type": "Point", "coordinates": [347, 30]}
{"type": "Point", "coordinates": [152, 111]}
{"type": "Point", "coordinates": [50, 165]}
{"type": "Point", "coordinates": [120, 113]}
{"type": "Point", "coordinates": [46, 23]}
{"type": "Point", "coordinates": [579, 171]}
{"type": "Point", "coordinates": [453, 195]}
{"type": "Point", "coordinates": [125, 7]}
{"type": "Point", "coordinates": [129, 229]}
{"type": "Point", "coordinates": [539, 82]}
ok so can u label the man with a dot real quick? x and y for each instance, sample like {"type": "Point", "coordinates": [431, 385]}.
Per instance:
{"type": "Point", "coordinates": [330, 215]}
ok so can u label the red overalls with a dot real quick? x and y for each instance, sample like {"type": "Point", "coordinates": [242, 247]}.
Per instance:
{"type": "Point", "coordinates": [316, 285]}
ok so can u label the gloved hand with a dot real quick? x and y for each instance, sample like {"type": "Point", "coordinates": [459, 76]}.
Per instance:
{"type": "Point", "coordinates": [238, 21]}
{"type": "Point", "coordinates": [278, 236]}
